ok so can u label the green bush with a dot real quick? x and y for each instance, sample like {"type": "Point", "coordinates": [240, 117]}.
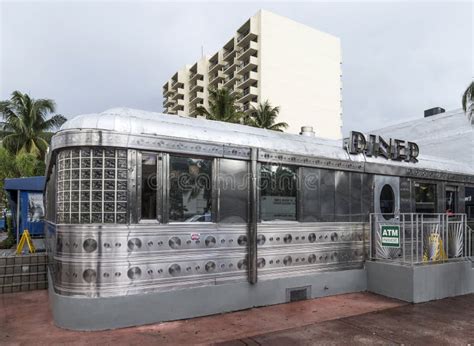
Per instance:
{"type": "Point", "coordinates": [10, 241]}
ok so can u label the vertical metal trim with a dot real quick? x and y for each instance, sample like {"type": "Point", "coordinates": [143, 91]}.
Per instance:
{"type": "Point", "coordinates": [300, 193]}
{"type": "Point", "coordinates": [252, 227]}
{"type": "Point", "coordinates": [215, 208]}
{"type": "Point", "coordinates": [159, 186]}
{"type": "Point", "coordinates": [165, 173]}
{"type": "Point", "coordinates": [135, 185]}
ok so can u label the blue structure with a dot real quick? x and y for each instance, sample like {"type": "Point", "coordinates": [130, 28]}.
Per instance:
{"type": "Point", "coordinates": [25, 197]}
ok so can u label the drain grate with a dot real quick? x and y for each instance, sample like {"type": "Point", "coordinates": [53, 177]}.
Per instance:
{"type": "Point", "coordinates": [298, 293]}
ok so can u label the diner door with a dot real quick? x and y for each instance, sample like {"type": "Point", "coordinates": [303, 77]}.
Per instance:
{"type": "Point", "coordinates": [386, 212]}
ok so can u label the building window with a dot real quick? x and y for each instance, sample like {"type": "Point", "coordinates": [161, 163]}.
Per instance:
{"type": "Point", "coordinates": [233, 191]}
{"type": "Point", "coordinates": [92, 186]}
{"type": "Point", "coordinates": [425, 198]}
{"type": "Point", "coordinates": [469, 202]}
{"type": "Point", "coordinates": [149, 186]}
{"type": "Point", "coordinates": [190, 194]}
{"type": "Point", "coordinates": [451, 200]}
{"type": "Point", "coordinates": [387, 202]}
{"type": "Point", "coordinates": [278, 185]}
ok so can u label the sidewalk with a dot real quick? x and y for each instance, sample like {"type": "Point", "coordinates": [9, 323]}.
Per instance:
{"type": "Point", "coordinates": [358, 318]}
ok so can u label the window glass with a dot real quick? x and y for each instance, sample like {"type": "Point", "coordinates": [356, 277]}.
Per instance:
{"type": "Point", "coordinates": [278, 184]}
{"type": "Point", "coordinates": [469, 202]}
{"type": "Point", "coordinates": [387, 202]}
{"type": "Point", "coordinates": [149, 187]}
{"type": "Point", "coordinates": [425, 198]}
{"type": "Point", "coordinates": [451, 197]}
{"type": "Point", "coordinates": [234, 190]}
{"type": "Point", "coordinates": [190, 194]}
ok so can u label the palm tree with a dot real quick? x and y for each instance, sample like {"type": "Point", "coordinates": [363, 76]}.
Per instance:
{"type": "Point", "coordinates": [222, 107]}
{"type": "Point", "coordinates": [264, 117]}
{"type": "Point", "coordinates": [25, 128]}
{"type": "Point", "coordinates": [468, 100]}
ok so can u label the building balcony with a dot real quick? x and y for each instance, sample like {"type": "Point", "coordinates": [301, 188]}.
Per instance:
{"type": "Point", "coordinates": [179, 94]}
{"type": "Point", "coordinates": [216, 78]}
{"type": "Point", "coordinates": [197, 97]}
{"type": "Point", "coordinates": [248, 65]}
{"type": "Point", "coordinates": [195, 76]}
{"type": "Point", "coordinates": [231, 80]}
{"type": "Point", "coordinates": [177, 84]}
{"type": "Point", "coordinates": [167, 92]}
{"type": "Point", "coordinates": [168, 103]}
{"type": "Point", "coordinates": [198, 85]}
{"type": "Point", "coordinates": [235, 91]}
{"type": "Point", "coordinates": [248, 106]}
{"type": "Point", "coordinates": [214, 67]}
{"type": "Point", "coordinates": [179, 105]}
{"type": "Point", "coordinates": [245, 38]}
{"type": "Point", "coordinates": [248, 50]}
{"type": "Point", "coordinates": [229, 54]}
{"type": "Point", "coordinates": [231, 66]}
{"type": "Point", "coordinates": [248, 79]}
{"type": "Point", "coordinates": [193, 111]}
{"type": "Point", "coordinates": [248, 94]}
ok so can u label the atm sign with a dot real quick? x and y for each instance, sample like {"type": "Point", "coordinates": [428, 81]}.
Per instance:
{"type": "Point", "coordinates": [390, 235]}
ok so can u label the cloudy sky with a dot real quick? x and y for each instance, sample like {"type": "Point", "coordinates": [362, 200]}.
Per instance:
{"type": "Point", "coordinates": [398, 58]}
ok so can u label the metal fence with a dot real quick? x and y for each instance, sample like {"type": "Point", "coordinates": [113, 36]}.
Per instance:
{"type": "Point", "coordinates": [414, 238]}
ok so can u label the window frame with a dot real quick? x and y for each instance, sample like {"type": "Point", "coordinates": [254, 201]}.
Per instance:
{"type": "Point", "coordinates": [159, 186]}
{"type": "Point", "coordinates": [259, 192]}
{"type": "Point", "coordinates": [167, 186]}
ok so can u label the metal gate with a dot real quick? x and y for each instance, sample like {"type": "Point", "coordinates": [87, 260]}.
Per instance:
{"type": "Point", "coordinates": [414, 238]}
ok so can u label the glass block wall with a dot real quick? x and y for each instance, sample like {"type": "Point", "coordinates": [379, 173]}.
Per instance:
{"type": "Point", "coordinates": [92, 186]}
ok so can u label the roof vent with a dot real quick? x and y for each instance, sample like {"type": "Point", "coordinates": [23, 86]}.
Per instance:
{"type": "Point", "coordinates": [307, 131]}
{"type": "Point", "coordinates": [434, 111]}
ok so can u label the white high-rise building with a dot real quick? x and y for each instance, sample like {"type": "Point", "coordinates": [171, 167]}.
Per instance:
{"type": "Point", "coordinates": [272, 58]}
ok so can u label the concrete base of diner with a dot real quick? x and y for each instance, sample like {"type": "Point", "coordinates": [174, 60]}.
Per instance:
{"type": "Point", "coordinates": [100, 313]}
{"type": "Point", "coordinates": [420, 283]}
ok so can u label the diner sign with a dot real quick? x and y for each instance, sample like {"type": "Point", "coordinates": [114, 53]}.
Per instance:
{"type": "Point", "coordinates": [373, 145]}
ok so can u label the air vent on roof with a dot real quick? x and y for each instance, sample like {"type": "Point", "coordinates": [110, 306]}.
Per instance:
{"type": "Point", "coordinates": [307, 131]}
{"type": "Point", "coordinates": [434, 111]}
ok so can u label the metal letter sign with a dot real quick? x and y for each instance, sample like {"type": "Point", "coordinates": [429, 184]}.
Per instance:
{"type": "Point", "coordinates": [391, 149]}
{"type": "Point", "coordinates": [390, 235]}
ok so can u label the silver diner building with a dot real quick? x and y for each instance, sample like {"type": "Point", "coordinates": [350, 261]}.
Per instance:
{"type": "Point", "coordinates": [152, 217]}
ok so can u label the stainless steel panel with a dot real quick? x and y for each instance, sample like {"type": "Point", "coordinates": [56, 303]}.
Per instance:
{"type": "Point", "coordinates": [310, 192]}
{"type": "Point", "coordinates": [356, 214]}
{"type": "Point", "coordinates": [343, 196]}
{"type": "Point", "coordinates": [233, 191]}
{"type": "Point", "coordinates": [367, 195]}
{"type": "Point", "coordinates": [328, 191]}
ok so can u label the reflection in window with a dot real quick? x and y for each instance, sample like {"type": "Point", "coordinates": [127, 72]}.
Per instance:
{"type": "Point", "coordinates": [278, 192]}
{"type": "Point", "coordinates": [387, 202]}
{"type": "Point", "coordinates": [149, 186]}
{"type": "Point", "coordinates": [451, 200]}
{"type": "Point", "coordinates": [190, 189]}
{"type": "Point", "coordinates": [469, 202]}
{"type": "Point", "coordinates": [425, 198]}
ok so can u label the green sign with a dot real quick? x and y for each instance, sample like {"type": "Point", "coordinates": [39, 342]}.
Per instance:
{"type": "Point", "coordinates": [390, 235]}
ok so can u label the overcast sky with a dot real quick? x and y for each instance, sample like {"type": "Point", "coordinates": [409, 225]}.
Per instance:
{"type": "Point", "coordinates": [398, 58]}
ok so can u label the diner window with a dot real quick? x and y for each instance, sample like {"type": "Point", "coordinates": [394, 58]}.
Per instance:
{"type": "Point", "coordinates": [451, 197]}
{"type": "Point", "coordinates": [278, 185]}
{"type": "Point", "coordinates": [387, 202]}
{"type": "Point", "coordinates": [469, 202]}
{"type": "Point", "coordinates": [233, 193]}
{"type": "Point", "coordinates": [190, 194]}
{"type": "Point", "coordinates": [425, 198]}
{"type": "Point", "coordinates": [149, 186]}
